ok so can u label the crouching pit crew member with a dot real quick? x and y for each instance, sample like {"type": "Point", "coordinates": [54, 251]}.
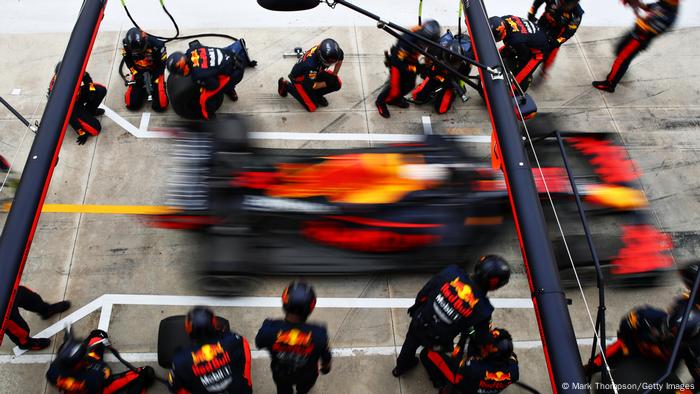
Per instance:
{"type": "Point", "coordinates": [217, 362]}
{"type": "Point", "coordinates": [79, 368]}
{"type": "Point", "coordinates": [403, 64]}
{"type": "Point", "coordinates": [216, 71]}
{"type": "Point", "coordinates": [524, 46]}
{"type": "Point", "coordinates": [644, 332]}
{"type": "Point", "coordinates": [488, 368]}
{"type": "Point", "coordinates": [83, 119]}
{"type": "Point", "coordinates": [145, 56]}
{"type": "Point", "coordinates": [438, 84]}
{"type": "Point", "coordinates": [296, 347]}
{"type": "Point", "coordinates": [452, 303]}
{"type": "Point", "coordinates": [311, 78]}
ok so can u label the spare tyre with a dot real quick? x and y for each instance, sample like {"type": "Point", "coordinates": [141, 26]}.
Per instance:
{"type": "Point", "coordinates": [172, 337]}
{"type": "Point", "coordinates": [183, 93]}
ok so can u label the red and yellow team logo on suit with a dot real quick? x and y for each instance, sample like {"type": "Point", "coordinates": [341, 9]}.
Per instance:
{"type": "Point", "coordinates": [207, 353]}
{"type": "Point", "coordinates": [294, 341]}
{"type": "Point", "coordinates": [294, 337]}
{"type": "Point", "coordinates": [194, 58]}
{"type": "Point", "coordinates": [209, 358]}
{"type": "Point", "coordinates": [147, 60]}
{"type": "Point", "coordinates": [456, 299]}
{"type": "Point", "coordinates": [498, 376]}
{"type": "Point", "coordinates": [464, 292]}
{"type": "Point", "coordinates": [70, 384]}
{"type": "Point", "coordinates": [498, 380]}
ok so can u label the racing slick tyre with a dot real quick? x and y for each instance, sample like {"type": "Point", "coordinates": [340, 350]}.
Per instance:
{"type": "Point", "coordinates": [230, 133]}
{"type": "Point", "coordinates": [172, 337]}
{"type": "Point", "coordinates": [184, 97]}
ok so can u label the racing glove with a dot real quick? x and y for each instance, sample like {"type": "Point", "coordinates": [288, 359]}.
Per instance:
{"type": "Point", "coordinates": [82, 137]}
{"type": "Point", "coordinates": [531, 15]}
{"type": "Point", "coordinates": [326, 368]}
{"type": "Point", "coordinates": [412, 310]}
{"type": "Point", "coordinates": [148, 375]}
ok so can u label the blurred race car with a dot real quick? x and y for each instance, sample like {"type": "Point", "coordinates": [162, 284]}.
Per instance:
{"type": "Point", "coordinates": [401, 207]}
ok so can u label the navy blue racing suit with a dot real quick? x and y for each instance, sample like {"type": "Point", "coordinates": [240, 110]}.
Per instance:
{"type": "Point", "coordinates": [217, 365]}
{"type": "Point", "coordinates": [450, 304]}
{"type": "Point", "coordinates": [526, 42]}
{"type": "Point", "coordinates": [403, 68]}
{"type": "Point", "coordinates": [559, 24]}
{"type": "Point", "coordinates": [471, 375]}
{"type": "Point", "coordinates": [659, 18]}
{"type": "Point", "coordinates": [295, 350]}
{"type": "Point", "coordinates": [217, 71]}
{"type": "Point", "coordinates": [308, 71]}
{"type": "Point", "coordinates": [150, 61]}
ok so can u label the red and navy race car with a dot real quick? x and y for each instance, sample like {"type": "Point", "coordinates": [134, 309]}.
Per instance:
{"type": "Point", "coordinates": [402, 207]}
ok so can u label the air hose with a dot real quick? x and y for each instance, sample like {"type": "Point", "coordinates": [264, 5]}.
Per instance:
{"type": "Point", "coordinates": [131, 367]}
{"type": "Point", "coordinates": [165, 39]}
{"type": "Point", "coordinates": [177, 28]}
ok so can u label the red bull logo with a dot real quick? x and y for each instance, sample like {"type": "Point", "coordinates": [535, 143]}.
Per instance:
{"type": "Point", "coordinates": [464, 292]}
{"type": "Point", "coordinates": [195, 58]}
{"type": "Point", "coordinates": [209, 358]}
{"type": "Point", "coordinates": [498, 376]}
{"type": "Point", "coordinates": [207, 353]}
{"type": "Point", "coordinates": [456, 297]}
{"type": "Point", "coordinates": [294, 337]}
{"type": "Point", "coordinates": [70, 384]}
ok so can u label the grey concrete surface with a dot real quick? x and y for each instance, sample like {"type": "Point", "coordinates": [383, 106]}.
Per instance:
{"type": "Point", "coordinates": [82, 256]}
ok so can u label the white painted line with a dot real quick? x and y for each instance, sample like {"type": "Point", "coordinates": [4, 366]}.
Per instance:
{"type": "Point", "coordinates": [275, 302]}
{"type": "Point", "coordinates": [16, 92]}
{"type": "Point", "coordinates": [145, 120]}
{"type": "Point", "coordinates": [133, 130]}
{"type": "Point", "coordinates": [108, 300]}
{"type": "Point", "coordinates": [263, 354]}
{"type": "Point", "coordinates": [26, 359]}
{"type": "Point", "coordinates": [105, 317]}
{"type": "Point", "coordinates": [300, 136]}
{"type": "Point", "coordinates": [427, 125]}
{"type": "Point", "coordinates": [70, 319]}
{"type": "Point", "coordinates": [143, 132]}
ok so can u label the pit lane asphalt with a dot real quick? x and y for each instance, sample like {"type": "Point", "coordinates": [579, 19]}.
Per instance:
{"type": "Point", "coordinates": [83, 256]}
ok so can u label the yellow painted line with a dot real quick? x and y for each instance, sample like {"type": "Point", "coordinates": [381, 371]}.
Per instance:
{"type": "Point", "coordinates": [104, 209]}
